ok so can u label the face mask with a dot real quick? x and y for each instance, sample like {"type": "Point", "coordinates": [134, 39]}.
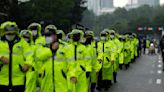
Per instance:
{"type": "Point", "coordinates": [112, 36]}
{"type": "Point", "coordinates": [103, 38]}
{"type": "Point", "coordinates": [48, 40]}
{"type": "Point", "coordinates": [27, 39]}
{"type": "Point", "coordinates": [10, 37]}
{"type": "Point", "coordinates": [83, 40]}
{"type": "Point", "coordinates": [34, 32]}
{"type": "Point", "coordinates": [76, 39]}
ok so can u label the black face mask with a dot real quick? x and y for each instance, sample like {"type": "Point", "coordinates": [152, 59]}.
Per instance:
{"type": "Point", "coordinates": [34, 28]}
{"type": "Point", "coordinates": [59, 36]}
{"type": "Point", "coordinates": [76, 37]}
{"type": "Point", "coordinates": [89, 39]}
{"type": "Point", "coordinates": [120, 39]}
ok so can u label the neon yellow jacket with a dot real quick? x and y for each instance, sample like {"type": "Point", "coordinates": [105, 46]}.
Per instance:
{"type": "Point", "coordinates": [55, 78]}
{"type": "Point", "coordinates": [106, 53]}
{"type": "Point", "coordinates": [21, 54]}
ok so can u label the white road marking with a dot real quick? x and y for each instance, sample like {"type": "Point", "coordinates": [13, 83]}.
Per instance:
{"type": "Point", "coordinates": [159, 66]}
{"type": "Point", "coordinates": [159, 72]}
{"type": "Point", "coordinates": [158, 81]}
{"type": "Point", "coordinates": [159, 61]}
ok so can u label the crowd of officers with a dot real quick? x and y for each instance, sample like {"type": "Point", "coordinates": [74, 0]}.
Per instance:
{"type": "Point", "coordinates": [30, 60]}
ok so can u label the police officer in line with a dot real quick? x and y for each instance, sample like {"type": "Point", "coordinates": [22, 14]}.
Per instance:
{"type": "Point", "coordinates": [15, 59]}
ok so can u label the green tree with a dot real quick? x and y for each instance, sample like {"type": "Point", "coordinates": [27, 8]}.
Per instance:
{"type": "Point", "coordinates": [62, 13]}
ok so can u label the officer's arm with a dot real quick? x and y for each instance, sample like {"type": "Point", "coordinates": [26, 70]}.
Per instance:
{"type": "Point", "coordinates": [71, 65]}
{"type": "Point", "coordinates": [28, 56]}
{"type": "Point", "coordinates": [88, 59]}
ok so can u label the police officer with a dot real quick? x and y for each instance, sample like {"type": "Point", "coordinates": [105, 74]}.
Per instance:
{"type": "Point", "coordinates": [38, 39]}
{"type": "Point", "coordinates": [54, 71]}
{"type": "Point", "coordinates": [31, 75]}
{"type": "Point", "coordinates": [117, 50]}
{"type": "Point", "coordinates": [80, 64]}
{"type": "Point", "coordinates": [91, 46]}
{"type": "Point", "coordinates": [106, 56]}
{"type": "Point", "coordinates": [61, 37]}
{"type": "Point", "coordinates": [15, 60]}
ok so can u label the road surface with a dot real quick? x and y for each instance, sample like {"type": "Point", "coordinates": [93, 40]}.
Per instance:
{"type": "Point", "coordinates": [145, 75]}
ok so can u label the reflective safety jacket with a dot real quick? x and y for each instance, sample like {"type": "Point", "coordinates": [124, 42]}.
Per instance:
{"type": "Point", "coordinates": [40, 41]}
{"type": "Point", "coordinates": [54, 71]}
{"type": "Point", "coordinates": [18, 54]}
{"type": "Point", "coordinates": [96, 66]}
{"type": "Point", "coordinates": [121, 54]}
{"type": "Point", "coordinates": [79, 63]}
{"type": "Point", "coordinates": [127, 49]}
{"type": "Point", "coordinates": [106, 53]}
{"type": "Point", "coordinates": [118, 49]}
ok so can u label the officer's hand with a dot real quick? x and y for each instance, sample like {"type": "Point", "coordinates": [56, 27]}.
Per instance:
{"type": "Point", "coordinates": [112, 61]}
{"type": "Point", "coordinates": [4, 60]}
{"type": "Point", "coordinates": [100, 60]}
{"type": "Point", "coordinates": [55, 46]}
{"type": "Point", "coordinates": [25, 68]}
{"type": "Point", "coordinates": [73, 79]}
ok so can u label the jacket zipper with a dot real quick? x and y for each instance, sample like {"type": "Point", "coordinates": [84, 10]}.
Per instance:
{"type": "Point", "coordinates": [10, 65]}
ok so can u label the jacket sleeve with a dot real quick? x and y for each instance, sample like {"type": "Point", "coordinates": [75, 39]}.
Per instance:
{"type": "Point", "coordinates": [28, 54]}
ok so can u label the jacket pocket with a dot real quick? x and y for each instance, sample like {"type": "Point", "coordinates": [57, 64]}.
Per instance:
{"type": "Point", "coordinates": [21, 68]}
{"type": "Point", "coordinates": [63, 73]}
{"type": "Point", "coordinates": [82, 68]}
{"type": "Point", "coordinates": [107, 59]}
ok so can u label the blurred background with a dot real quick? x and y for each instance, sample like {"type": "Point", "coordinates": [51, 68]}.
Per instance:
{"type": "Point", "coordinates": [144, 17]}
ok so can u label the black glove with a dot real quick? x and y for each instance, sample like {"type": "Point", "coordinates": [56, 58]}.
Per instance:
{"type": "Point", "coordinates": [87, 74]}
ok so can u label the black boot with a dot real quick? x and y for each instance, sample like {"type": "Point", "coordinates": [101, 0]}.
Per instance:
{"type": "Point", "coordinates": [93, 86]}
{"type": "Point", "coordinates": [108, 84]}
{"type": "Point", "coordinates": [100, 81]}
{"type": "Point", "coordinates": [120, 66]}
{"type": "Point", "coordinates": [115, 77]}
{"type": "Point", "coordinates": [126, 66]}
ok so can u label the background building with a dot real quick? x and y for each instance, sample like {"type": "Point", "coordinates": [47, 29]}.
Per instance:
{"type": "Point", "coordinates": [137, 3]}
{"type": "Point", "coordinates": [149, 2]}
{"type": "Point", "coordinates": [106, 4]}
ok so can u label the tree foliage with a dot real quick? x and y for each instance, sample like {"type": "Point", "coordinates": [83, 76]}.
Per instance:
{"type": "Point", "coordinates": [123, 20]}
{"type": "Point", "coordinates": [62, 13]}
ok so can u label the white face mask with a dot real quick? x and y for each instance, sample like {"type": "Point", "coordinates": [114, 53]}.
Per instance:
{"type": "Point", "coordinates": [34, 32]}
{"type": "Point", "coordinates": [26, 39]}
{"type": "Point", "coordinates": [48, 40]}
{"type": "Point", "coordinates": [10, 37]}
{"type": "Point", "coordinates": [112, 36]}
{"type": "Point", "coordinates": [83, 40]}
{"type": "Point", "coordinates": [103, 38]}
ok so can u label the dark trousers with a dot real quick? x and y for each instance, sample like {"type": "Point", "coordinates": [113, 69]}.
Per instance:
{"type": "Point", "coordinates": [103, 83]}
{"type": "Point", "coordinates": [13, 89]}
{"type": "Point", "coordinates": [144, 50]}
{"type": "Point", "coordinates": [93, 86]}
